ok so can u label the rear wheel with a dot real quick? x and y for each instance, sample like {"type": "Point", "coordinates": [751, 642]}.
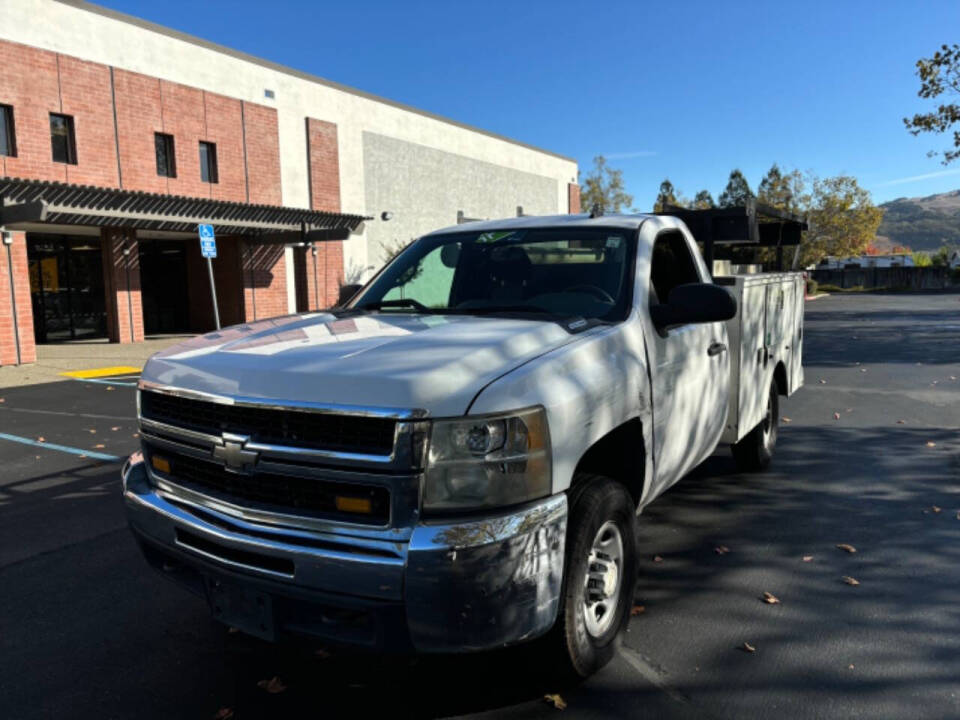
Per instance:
{"type": "Point", "coordinates": [600, 576]}
{"type": "Point", "coordinates": [755, 451]}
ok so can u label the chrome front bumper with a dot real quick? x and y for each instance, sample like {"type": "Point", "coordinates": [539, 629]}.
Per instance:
{"type": "Point", "coordinates": [471, 585]}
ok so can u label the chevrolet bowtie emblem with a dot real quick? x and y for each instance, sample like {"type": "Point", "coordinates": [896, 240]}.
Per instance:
{"type": "Point", "coordinates": [232, 452]}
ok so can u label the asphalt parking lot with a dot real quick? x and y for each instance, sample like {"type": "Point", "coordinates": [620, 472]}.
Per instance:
{"type": "Point", "coordinates": [870, 457]}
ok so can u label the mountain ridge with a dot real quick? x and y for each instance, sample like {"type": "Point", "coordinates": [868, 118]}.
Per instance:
{"type": "Point", "coordinates": [921, 223]}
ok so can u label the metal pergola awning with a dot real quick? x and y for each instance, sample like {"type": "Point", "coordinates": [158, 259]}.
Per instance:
{"type": "Point", "coordinates": [41, 201]}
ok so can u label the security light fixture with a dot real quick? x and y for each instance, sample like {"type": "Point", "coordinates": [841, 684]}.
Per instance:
{"type": "Point", "coordinates": [7, 237]}
{"type": "Point", "coordinates": [386, 215]}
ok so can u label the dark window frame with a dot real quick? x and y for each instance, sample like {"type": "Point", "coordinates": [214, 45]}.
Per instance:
{"type": "Point", "coordinates": [211, 172]}
{"type": "Point", "coordinates": [169, 151]}
{"type": "Point", "coordinates": [70, 145]}
{"type": "Point", "coordinates": [675, 278]}
{"type": "Point", "coordinates": [8, 130]}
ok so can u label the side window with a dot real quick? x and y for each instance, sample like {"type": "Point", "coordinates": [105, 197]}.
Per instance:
{"type": "Point", "coordinates": [430, 281]}
{"type": "Point", "coordinates": [671, 265]}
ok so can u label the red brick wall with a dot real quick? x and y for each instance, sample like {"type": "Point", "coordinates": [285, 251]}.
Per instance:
{"type": "Point", "coordinates": [573, 198]}
{"type": "Point", "coordinates": [21, 283]}
{"type": "Point", "coordinates": [224, 126]}
{"type": "Point", "coordinates": [139, 116]}
{"type": "Point", "coordinates": [183, 117]}
{"type": "Point", "coordinates": [263, 154]}
{"type": "Point", "coordinates": [264, 281]}
{"type": "Point", "coordinates": [226, 276]}
{"type": "Point", "coordinates": [324, 158]}
{"type": "Point", "coordinates": [121, 298]}
{"type": "Point", "coordinates": [29, 81]}
{"type": "Point", "coordinates": [86, 95]}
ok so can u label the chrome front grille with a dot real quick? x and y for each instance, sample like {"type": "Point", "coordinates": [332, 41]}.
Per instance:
{"type": "Point", "coordinates": [293, 427]}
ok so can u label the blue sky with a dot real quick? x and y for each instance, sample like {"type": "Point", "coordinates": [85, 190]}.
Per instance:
{"type": "Point", "coordinates": [685, 90]}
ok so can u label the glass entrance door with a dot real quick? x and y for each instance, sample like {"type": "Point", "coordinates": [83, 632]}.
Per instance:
{"type": "Point", "coordinates": [66, 286]}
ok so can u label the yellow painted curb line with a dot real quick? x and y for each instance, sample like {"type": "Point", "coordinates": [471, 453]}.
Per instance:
{"type": "Point", "coordinates": [102, 372]}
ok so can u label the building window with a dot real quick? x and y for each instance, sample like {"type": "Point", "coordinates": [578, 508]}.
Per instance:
{"type": "Point", "coordinates": [8, 140]}
{"type": "Point", "coordinates": [166, 162]}
{"type": "Point", "coordinates": [208, 162]}
{"type": "Point", "coordinates": [62, 139]}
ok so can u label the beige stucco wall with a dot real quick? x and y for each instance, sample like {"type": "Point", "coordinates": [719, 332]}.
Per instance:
{"type": "Point", "coordinates": [69, 28]}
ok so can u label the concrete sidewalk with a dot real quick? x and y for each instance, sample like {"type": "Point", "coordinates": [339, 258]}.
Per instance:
{"type": "Point", "coordinates": [52, 360]}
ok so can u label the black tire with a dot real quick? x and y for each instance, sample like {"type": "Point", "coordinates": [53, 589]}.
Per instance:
{"type": "Point", "coordinates": [755, 451]}
{"type": "Point", "coordinates": [596, 501]}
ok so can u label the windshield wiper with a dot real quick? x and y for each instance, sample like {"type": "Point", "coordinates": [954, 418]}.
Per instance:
{"type": "Point", "coordinates": [403, 302]}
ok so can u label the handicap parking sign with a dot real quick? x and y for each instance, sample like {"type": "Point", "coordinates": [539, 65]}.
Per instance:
{"type": "Point", "coordinates": [208, 243]}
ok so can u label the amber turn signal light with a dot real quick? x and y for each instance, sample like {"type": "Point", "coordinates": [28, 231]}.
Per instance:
{"type": "Point", "coordinates": [159, 463]}
{"type": "Point", "coordinates": [354, 505]}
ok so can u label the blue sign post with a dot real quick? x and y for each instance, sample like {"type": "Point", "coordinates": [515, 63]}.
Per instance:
{"type": "Point", "coordinates": [208, 248]}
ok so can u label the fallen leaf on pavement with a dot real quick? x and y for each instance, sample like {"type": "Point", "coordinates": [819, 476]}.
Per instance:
{"type": "Point", "coordinates": [836, 416]}
{"type": "Point", "coordinates": [850, 581]}
{"type": "Point", "coordinates": [136, 435]}
{"type": "Point", "coordinates": [770, 598]}
{"type": "Point", "coordinates": [901, 422]}
{"type": "Point", "coordinates": [637, 610]}
{"type": "Point", "coordinates": [99, 446]}
{"type": "Point", "coordinates": [41, 439]}
{"type": "Point", "coordinates": [273, 686]}
{"type": "Point", "coordinates": [952, 377]}
{"type": "Point", "coordinates": [785, 419]}
{"type": "Point", "coordinates": [848, 548]}
{"type": "Point", "coordinates": [849, 410]}
{"type": "Point", "coordinates": [657, 558]}
{"type": "Point", "coordinates": [553, 699]}
{"type": "Point", "coordinates": [822, 381]}
{"type": "Point", "coordinates": [935, 509]}
{"type": "Point", "coordinates": [3, 400]}
{"type": "Point", "coordinates": [92, 431]}
{"type": "Point", "coordinates": [223, 714]}
{"type": "Point", "coordinates": [863, 369]}
{"type": "Point", "coordinates": [721, 549]}
{"type": "Point", "coordinates": [109, 387]}
{"type": "Point", "coordinates": [747, 647]}
{"type": "Point", "coordinates": [322, 654]}
{"type": "Point", "coordinates": [115, 428]}
{"type": "Point", "coordinates": [931, 444]}
{"type": "Point", "coordinates": [808, 558]}
{"type": "Point", "coordinates": [233, 630]}
{"type": "Point", "coordinates": [850, 666]}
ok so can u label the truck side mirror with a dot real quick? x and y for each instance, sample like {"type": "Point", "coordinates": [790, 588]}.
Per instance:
{"type": "Point", "coordinates": [694, 303]}
{"type": "Point", "coordinates": [346, 294]}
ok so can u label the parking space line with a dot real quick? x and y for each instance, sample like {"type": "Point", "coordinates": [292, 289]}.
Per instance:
{"type": "Point", "coordinates": [102, 372]}
{"type": "Point", "coordinates": [93, 416]}
{"type": "Point", "coordinates": [61, 448]}
{"type": "Point", "coordinates": [105, 382]}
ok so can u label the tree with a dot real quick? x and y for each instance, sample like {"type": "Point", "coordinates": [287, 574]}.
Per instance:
{"type": "Point", "coordinates": [703, 200]}
{"type": "Point", "coordinates": [922, 259]}
{"type": "Point", "coordinates": [666, 196]}
{"type": "Point", "coordinates": [736, 192]}
{"type": "Point", "coordinates": [941, 258]}
{"type": "Point", "coordinates": [784, 191]}
{"type": "Point", "coordinates": [939, 75]}
{"type": "Point", "coordinates": [603, 187]}
{"type": "Point", "coordinates": [842, 219]}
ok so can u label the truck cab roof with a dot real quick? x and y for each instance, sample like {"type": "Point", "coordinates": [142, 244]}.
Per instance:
{"type": "Point", "coordinates": [582, 220]}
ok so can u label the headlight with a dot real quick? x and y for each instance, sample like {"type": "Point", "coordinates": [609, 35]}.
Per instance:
{"type": "Point", "coordinates": [487, 461]}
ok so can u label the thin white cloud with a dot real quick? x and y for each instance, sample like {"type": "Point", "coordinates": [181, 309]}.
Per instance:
{"type": "Point", "coordinates": [918, 178]}
{"type": "Point", "coordinates": [629, 155]}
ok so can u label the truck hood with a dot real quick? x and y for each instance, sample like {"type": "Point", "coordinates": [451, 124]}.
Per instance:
{"type": "Point", "coordinates": [436, 363]}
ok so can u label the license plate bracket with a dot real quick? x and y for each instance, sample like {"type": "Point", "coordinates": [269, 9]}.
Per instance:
{"type": "Point", "coordinates": [247, 610]}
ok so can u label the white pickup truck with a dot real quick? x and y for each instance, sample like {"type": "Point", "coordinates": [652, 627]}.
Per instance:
{"type": "Point", "coordinates": [455, 459]}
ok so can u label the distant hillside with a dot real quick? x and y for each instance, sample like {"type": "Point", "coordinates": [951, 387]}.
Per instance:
{"type": "Point", "coordinates": [925, 223]}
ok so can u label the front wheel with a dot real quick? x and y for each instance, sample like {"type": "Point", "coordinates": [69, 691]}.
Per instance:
{"type": "Point", "coordinates": [755, 451]}
{"type": "Point", "coordinates": [601, 573]}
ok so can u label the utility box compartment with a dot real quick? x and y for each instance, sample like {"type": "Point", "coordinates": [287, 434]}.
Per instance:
{"type": "Point", "coordinates": [766, 332]}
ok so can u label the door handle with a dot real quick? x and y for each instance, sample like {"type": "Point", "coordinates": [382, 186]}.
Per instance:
{"type": "Point", "coordinates": [716, 348]}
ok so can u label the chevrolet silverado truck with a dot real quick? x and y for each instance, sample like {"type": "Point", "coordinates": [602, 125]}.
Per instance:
{"type": "Point", "coordinates": [455, 459]}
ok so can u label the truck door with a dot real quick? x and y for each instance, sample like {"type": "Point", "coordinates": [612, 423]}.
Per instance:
{"type": "Point", "coordinates": [690, 368]}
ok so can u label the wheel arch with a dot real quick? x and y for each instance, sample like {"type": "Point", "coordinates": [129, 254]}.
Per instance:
{"type": "Point", "coordinates": [780, 375]}
{"type": "Point", "coordinates": [621, 455]}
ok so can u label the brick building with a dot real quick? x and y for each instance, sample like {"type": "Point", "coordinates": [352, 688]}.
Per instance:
{"type": "Point", "coordinates": [117, 137]}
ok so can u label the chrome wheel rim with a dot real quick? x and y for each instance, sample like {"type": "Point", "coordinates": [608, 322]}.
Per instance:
{"type": "Point", "coordinates": [601, 586]}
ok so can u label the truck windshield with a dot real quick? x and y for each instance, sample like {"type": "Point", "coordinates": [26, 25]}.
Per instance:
{"type": "Point", "coordinates": [545, 271]}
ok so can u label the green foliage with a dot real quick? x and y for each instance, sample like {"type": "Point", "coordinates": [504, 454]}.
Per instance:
{"type": "Point", "coordinates": [784, 191]}
{"type": "Point", "coordinates": [736, 192]}
{"type": "Point", "coordinates": [939, 75]}
{"type": "Point", "coordinates": [941, 258]}
{"type": "Point", "coordinates": [922, 259]}
{"type": "Point", "coordinates": [842, 219]}
{"type": "Point", "coordinates": [603, 186]}
{"type": "Point", "coordinates": [703, 200]}
{"type": "Point", "coordinates": [667, 196]}
{"type": "Point", "coordinates": [812, 286]}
